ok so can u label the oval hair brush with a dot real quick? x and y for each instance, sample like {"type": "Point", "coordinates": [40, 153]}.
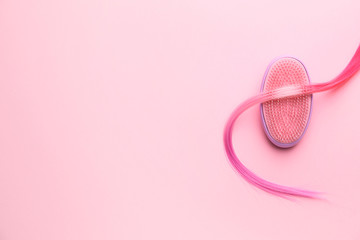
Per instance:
{"type": "Point", "coordinates": [285, 102]}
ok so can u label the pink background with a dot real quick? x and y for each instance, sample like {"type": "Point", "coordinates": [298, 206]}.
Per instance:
{"type": "Point", "coordinates": [112, 115]}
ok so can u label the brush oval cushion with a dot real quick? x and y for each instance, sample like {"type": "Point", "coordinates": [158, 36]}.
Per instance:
{"type": "Point", "coordinates": [285, 120]}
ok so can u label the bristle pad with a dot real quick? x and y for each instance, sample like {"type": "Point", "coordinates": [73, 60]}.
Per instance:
{"type": "Point", "coordinates": [286, 119]}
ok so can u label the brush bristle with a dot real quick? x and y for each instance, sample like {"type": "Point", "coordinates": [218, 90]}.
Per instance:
{"type": "Point", "coordinates": [286, 119]}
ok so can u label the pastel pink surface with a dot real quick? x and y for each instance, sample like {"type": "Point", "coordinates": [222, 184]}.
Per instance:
{"type": "Point", "coordinates": [112, 115]}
